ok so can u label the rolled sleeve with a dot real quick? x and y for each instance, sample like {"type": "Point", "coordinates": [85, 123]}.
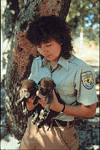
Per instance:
{"type": "Point", "coordinates": [31, 76]}
{"type": "Point", "coordinates": [85, 86]}
{"type": "Point", "coordinates": [34, 71]}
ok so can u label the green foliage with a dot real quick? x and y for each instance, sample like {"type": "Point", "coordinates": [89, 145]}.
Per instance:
{"type": "Point", "coordinates": [91, 34]}
{"type": "Point", "coordinates": [84, 14]}
{"type": "Point", "coordinates": [84, 11]}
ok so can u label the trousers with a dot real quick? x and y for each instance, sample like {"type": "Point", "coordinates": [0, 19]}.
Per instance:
{"type": "Point", "coordinates": [60, 138]}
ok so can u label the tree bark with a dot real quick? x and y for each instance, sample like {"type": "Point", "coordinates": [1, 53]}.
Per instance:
{"type": "Point", "coordinates": [22, 52]}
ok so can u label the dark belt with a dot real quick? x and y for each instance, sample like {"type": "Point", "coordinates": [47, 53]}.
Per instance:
{"type": "Point", "coordinates": [67, 124]}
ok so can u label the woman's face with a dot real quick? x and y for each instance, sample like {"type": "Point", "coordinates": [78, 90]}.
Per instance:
{"type": "Point", "coordinates": [50, 50]}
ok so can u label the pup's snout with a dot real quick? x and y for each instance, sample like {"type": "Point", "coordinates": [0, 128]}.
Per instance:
{"type": "Point", "coordinates": [43, 91]}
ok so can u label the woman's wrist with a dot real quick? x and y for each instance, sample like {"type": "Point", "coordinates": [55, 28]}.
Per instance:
{"type": "Point", "coordinates": [57, 107]}
{"type": "Point", "coordinates": [63, 108]}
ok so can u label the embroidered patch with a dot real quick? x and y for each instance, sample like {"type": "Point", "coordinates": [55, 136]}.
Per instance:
{"type": "Point", "coordinates": [87, 80]}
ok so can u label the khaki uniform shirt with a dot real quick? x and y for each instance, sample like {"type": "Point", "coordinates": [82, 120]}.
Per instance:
{"type": "Point", "coordinates": [74, 79]}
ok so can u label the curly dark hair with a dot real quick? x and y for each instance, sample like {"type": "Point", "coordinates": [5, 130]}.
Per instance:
{"type": "Point", "coordinates": [46, 28]}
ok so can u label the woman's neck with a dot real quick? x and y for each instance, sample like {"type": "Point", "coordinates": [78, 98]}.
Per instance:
{"type": "Point", "coordinates": [54, 62]}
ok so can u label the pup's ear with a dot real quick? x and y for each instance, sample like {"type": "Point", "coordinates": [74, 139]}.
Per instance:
{"type": "Point", "coordinates": [54, 84]}
{"type": "Point", "coordinates": [39, 82]}
{"type": "Point", "coordinates": [23, 81]}
{"type": "Point", "coordinates": [36, 86]}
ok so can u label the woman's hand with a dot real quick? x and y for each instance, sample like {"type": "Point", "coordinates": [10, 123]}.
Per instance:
{"type": "Point", "coordinates": [55, 105]}
{"type": "Point", "coordinates": [29, 103]}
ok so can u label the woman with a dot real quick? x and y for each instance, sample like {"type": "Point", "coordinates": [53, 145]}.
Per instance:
{"type": "Point", "coordinates": [74, 81]}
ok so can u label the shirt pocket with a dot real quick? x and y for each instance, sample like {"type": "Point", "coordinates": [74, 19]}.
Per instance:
{"type": "Point", "coordinates": [66, 90]}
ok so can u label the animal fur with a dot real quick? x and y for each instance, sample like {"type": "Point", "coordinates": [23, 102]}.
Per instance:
{"type": "Point", "coordinates": [45, 87]}
{"type": "Point", "coordinates": [29, 88]}
{"type": "Point", "coordinates": [41, 115]}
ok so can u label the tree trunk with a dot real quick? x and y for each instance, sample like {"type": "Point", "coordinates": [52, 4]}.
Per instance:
{"type": "Point", "coordinates": [22, 52]}
{"type": "Point", "coordinates": [81, 28]}
{"type": "Point", "coordinates": [81, 39]}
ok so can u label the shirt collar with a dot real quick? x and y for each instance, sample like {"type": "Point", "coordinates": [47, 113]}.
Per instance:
{"type": "Point", "coordinates": [65, 62]}
{"type": "Point", "coordinates": [62, 61]}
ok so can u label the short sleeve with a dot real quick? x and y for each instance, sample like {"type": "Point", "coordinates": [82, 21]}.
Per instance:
{"type": "Point", "coordinates": [31, 76]}
{"type": "Point", "coordinates": [85, 85]}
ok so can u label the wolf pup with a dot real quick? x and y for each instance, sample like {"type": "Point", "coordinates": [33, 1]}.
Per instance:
{"type": "Point", "coordinates": [45, 87]}
{"type": "Point", "coordinates": [29, 88]}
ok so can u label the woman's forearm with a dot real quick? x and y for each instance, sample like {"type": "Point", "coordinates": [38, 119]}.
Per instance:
{"type": "Point", "coordinates": [74, 111]}
{"type": "Point", "coordinates": [80, 111]}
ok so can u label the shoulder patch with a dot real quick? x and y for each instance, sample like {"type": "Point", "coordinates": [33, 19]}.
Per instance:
{"type": "Point", "coordinates": [87, 80]}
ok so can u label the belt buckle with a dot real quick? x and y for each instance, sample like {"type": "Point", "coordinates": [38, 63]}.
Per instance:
{"type": "Point", "coordinates": [68, 125]}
